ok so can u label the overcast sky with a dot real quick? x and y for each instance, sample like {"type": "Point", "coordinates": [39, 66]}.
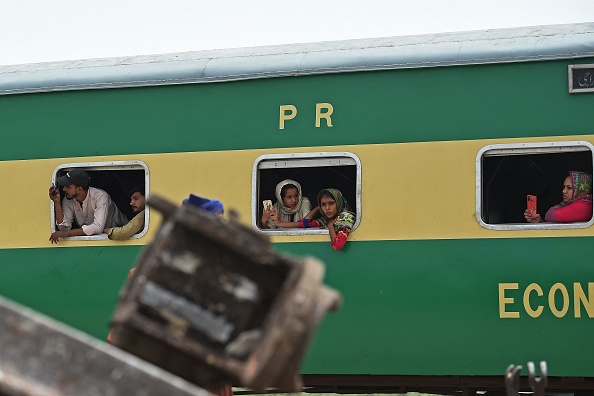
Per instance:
{"type": "Point", "coordinates": [41, 31]}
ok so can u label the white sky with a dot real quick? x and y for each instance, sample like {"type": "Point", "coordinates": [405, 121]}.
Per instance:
{"type": "Point", "coordinates": [41, 31]}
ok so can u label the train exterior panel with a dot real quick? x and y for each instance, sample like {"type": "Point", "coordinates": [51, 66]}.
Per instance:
{"type": "Point", "coordinates": [435, 281]}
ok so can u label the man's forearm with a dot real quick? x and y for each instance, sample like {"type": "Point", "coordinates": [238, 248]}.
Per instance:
{"type": "Point", "coordinates": [134, 226]}
{"type": "Point", "coordinates": [74, 232]}
{"type": "Point", "coordinates": [55, 237]}
{"type": "Point", "coordinates": [59, 213]}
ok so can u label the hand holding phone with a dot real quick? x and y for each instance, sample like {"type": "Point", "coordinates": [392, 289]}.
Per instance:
{"type": "Point", "coordinates": [267, 205]}
{"type": "Point", "coordinates": [531, 203]}
{"type": "Point", "coordinates": [54, 195]}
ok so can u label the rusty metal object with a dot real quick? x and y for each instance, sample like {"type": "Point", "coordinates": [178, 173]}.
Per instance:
{"type": "Point", "coordinates": [213, 303]}
{"type": "Point", "coordinates": [41, 357]}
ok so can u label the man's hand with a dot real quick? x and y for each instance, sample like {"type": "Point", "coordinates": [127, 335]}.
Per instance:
{"type": "Point", "coordinates": [54, 196]}
{"type": "Point", "coordinates": [55, 237]}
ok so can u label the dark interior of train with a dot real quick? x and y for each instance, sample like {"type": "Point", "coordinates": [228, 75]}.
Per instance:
{"type": "Point", "coordinates": [117, 183]}
{"type": "Point", "coordinates": [507, 180]}
{"type": "Point", "coordinates": [312, 180]}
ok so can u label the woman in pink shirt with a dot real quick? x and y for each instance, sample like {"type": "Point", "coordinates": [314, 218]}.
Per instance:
{"type": "Point", "coordinates": [576, 205]}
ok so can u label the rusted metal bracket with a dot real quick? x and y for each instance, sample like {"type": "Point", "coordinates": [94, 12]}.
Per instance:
{"type": "Point", "coordinates": [212, 302]}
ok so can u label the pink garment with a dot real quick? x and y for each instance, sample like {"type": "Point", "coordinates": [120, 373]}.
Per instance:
{"type": "Point", "coordinates": [341, 235]}
{"type": "Point", "coordinates": [340, 240]}
{"type": "Point", "coordinates": [576, 211]}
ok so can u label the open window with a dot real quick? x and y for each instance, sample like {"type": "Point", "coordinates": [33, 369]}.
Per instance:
{"type": "Point", "coordinates": [314, 171]}
{"type": "Point", "coordinates": [117, 178]}
{"type": "Point", "coordinates": [507, 173]}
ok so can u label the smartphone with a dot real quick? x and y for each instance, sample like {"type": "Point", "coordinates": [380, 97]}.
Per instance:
{"type": "Point", "coordinates": [267, 204]}
{"type": "Point", "coordinates": [54, 190]}
{"type": "Point", "coordinates": [531, 203]}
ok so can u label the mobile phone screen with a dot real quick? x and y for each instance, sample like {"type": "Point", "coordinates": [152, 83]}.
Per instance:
{"type": "Point", "coordinates": [267, 204]}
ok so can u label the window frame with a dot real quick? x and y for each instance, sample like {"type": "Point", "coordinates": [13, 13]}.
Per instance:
{"type": "Point", "coordinates": [99, 166]}
{"type": "Point", "coordinates": [526, 149]}
{"type": "Point", "coordinates": [313, 159]}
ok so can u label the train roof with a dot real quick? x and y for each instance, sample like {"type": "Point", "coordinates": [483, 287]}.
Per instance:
{"type": "Point", "coordinates": [430, 50]}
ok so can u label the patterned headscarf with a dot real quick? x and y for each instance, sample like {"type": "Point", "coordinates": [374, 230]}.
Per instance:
{"type": "Point", "coordinates": [284, 209]}
{"type": "Point", "coordinates": [582, 186]}
{"type": "Point", "coordinates": [345, 218]}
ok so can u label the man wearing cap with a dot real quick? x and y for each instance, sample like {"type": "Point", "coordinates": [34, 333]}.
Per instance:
{"type": "Point", "coordinates": [91, 208]}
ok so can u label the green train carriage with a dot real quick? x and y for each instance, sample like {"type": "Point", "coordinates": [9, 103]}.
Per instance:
{"type": "Point", "coordinates": [434, 139]}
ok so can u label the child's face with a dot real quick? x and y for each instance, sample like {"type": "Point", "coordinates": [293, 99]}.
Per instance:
{"type": "Point", "coordinates": [328, 207]}
{"type": "Point", "coordinates": [291, 198]}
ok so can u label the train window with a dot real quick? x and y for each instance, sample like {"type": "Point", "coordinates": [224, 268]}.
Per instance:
{"type": "Point", "coordinates": [314, 171]}
{"type": "Point", "coordinates": [116, 178]}
{"type": "Point", "coordinates": [507, 173]}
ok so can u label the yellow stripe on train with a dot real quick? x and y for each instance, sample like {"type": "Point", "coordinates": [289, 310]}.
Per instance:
{"type": "Point", "coordinates": [409, 191]}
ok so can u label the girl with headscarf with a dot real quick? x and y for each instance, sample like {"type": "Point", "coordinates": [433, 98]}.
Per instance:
{"type": "Point", "coordinates": [291, 205]}
{"type": "Point", "coordinates": [336, 216]}
{"type": "Point", "coordinates": [576, 205]}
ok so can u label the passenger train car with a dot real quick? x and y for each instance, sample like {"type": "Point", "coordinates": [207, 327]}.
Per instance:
{"type": "Point", "coordinates": [435, 141]}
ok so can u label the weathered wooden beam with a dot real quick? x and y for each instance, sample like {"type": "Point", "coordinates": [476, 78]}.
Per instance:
{"type": "Point", "coordinates": [39, 356]}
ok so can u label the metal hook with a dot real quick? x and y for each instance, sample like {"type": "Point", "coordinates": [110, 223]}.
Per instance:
{"type": "Point", "coordinates": [512, 380]}
{"type": "Point", "coordinates": [537, 384]}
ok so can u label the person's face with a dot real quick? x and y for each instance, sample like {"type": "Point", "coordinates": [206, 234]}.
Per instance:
{"type": "Point", "coordinates": [567, 189]}
{"type": "Point", "coordinates": [328, 206]}
{"type": "Point", "coordinates": [71, 191]}
{"type": "Point", "coordinates": [137, 202]}
{"type": "Point", "coordinates": [291, 198]}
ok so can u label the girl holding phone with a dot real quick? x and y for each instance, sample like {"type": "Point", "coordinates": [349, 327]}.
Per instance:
{"type": "Point", "coordinates": [291, 205]}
